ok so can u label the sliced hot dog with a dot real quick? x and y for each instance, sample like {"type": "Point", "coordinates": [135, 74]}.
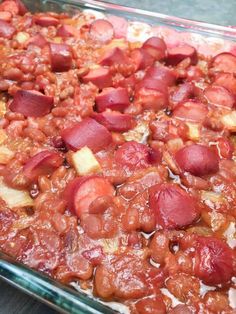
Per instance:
{"type": "Point", "coordinates": [152, 94]}
{"type": "Point", "coordinates": [88, 133]}
{"type": "Point", "coordinates": [184, 92]}
{"type": "Point", "coordinates": [197, 159]}
{"type": "Point", "coordinates": [156, 47]}
{"type": "Point", "coordinates": [227, 80]}
{"type": "Point", "coordinates": [120, 26]}
{"type": "Point", "coordinates": [46, 21]}
{"type": "Point", "coordinates": [115, 121]}
{"type": "Point", "coordinates": [101, 77]}
{"type": "Point", "coordinates": [173, 207]}
{"type": "Point", "coordinates": [113, 98]}
{"type": "Point", "coordinates": [14, 7]}
{"type": "Point", "coordinates": [101, 30]}
{"type": "Point", "coordinates": [6, 30]}
{"type": "Point", "coordinates": [219, 96]}
{"type": "Point", "coordinates": [133, 156]}
{"type": "Point", "coordinates": [42, 164]}
{"type": "Point", "coordinates": [141, 58]}
{"type": "Point", "coordinates": [150, 83]}
{"type": "Point", "coordinates": [114, 56]}
{"type": "Point", "coordinates": [5, 16]}
{"type": "Point", "coordinates": [22, 8]}
{"type": "Point", "coordinates": [31, 103]}
{"type": "Point", "coordinates": [61, 57]}
{"type": "Point", "coordinates": [177, 54]}
{"type": "Point", "coordinates": [81, 192]}
{"type": "Point", "coordinates": [213, 261]}
{"type": "Point", "coordinates": [65, 31]}
{"type": "Point", "coordinates": [161, 73]}
{"type": "Point", "coordinates": [191, 111]}
{"type": "Point", "coordinates": [9, 6]}
{"type": "Point", "coordinates": [37, 40]}
{"type": "Point", "coordinates": [224, 62]}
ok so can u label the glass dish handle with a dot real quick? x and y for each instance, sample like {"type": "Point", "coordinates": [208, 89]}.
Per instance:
{"type": "Point", "coordinates": [62, 298]}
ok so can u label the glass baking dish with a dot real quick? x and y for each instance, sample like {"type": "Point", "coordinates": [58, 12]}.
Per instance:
{"type": "Point", "coordinates": [62, 298]}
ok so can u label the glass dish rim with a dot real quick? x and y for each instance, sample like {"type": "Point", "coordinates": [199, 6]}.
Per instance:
{"type": "Point", "coordinates": [174, 21]}
{"type": "Point", "coordinates": [9, 269]}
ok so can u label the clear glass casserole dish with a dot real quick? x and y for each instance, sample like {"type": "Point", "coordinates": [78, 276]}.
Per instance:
{"type": "Point", "coordinates": [62, 298]}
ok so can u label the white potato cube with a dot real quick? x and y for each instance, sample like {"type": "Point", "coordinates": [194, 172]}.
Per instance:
{"type": "Point", "coordinates": [229, 121]}
{"type": "Point", "coordinates": [193, 131]}
{"type": "Point", "coordinates": [13, 197]}
{"type": "Point", "coordinates": [85, 162]}
{"type": "Point", "coordinates": [5, 155]}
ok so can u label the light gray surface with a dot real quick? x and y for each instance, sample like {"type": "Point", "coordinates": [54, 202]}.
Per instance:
{"type": "Point", "coordinates": [212, 11]}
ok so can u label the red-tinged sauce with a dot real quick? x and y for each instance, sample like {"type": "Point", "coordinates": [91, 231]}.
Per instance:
{"type": "Point", "coordinates": [151, 224]}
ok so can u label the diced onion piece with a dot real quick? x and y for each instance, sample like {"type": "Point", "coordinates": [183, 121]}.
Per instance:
{"type": "Point", "coordinates": [57, 40]}
{"type": "Point", "coordinates": [170, 162]}
{"type": "Point", "coordinates": [117, 43]}
{"type": "Point", "coordinates": [85, 162]}
{"type": "Point", "coordinates": [3, 136]}
{"type": "Point", "coordinates": [110, 246]}
{"type": "Point", "coordinates": [22, 37]}
{"type": "Point", "coordinates": [193, 131]}
{"type": "Point", "coordinates": [5, 155]}
{"type": "Point", "coordinates": [230, 235]}
{"type": "Point", "coordinates": [13, 197]}
{"type": "Point", "coordinates": [139, 134]}
{"type": "Point", "coordinates": [175, 144]}
{"type": "Point", "coordinates": [229, 121]}
{"type": "Point", "coordinates": [232, 298]}
{"type": "Point", "coordinates": [2, 108]}
{"type": "Point", "coordinates": [139, 32]}
{"type": "Point", "coordinates": [212, 199]}
{"type": "Point", "coordinates": [215, 220]}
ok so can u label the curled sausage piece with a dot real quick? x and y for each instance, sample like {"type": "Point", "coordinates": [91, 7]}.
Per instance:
{"type": "Point", "coordinates": [41, 164]}
{"type": "Point", "coordinates": [83, 191]}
